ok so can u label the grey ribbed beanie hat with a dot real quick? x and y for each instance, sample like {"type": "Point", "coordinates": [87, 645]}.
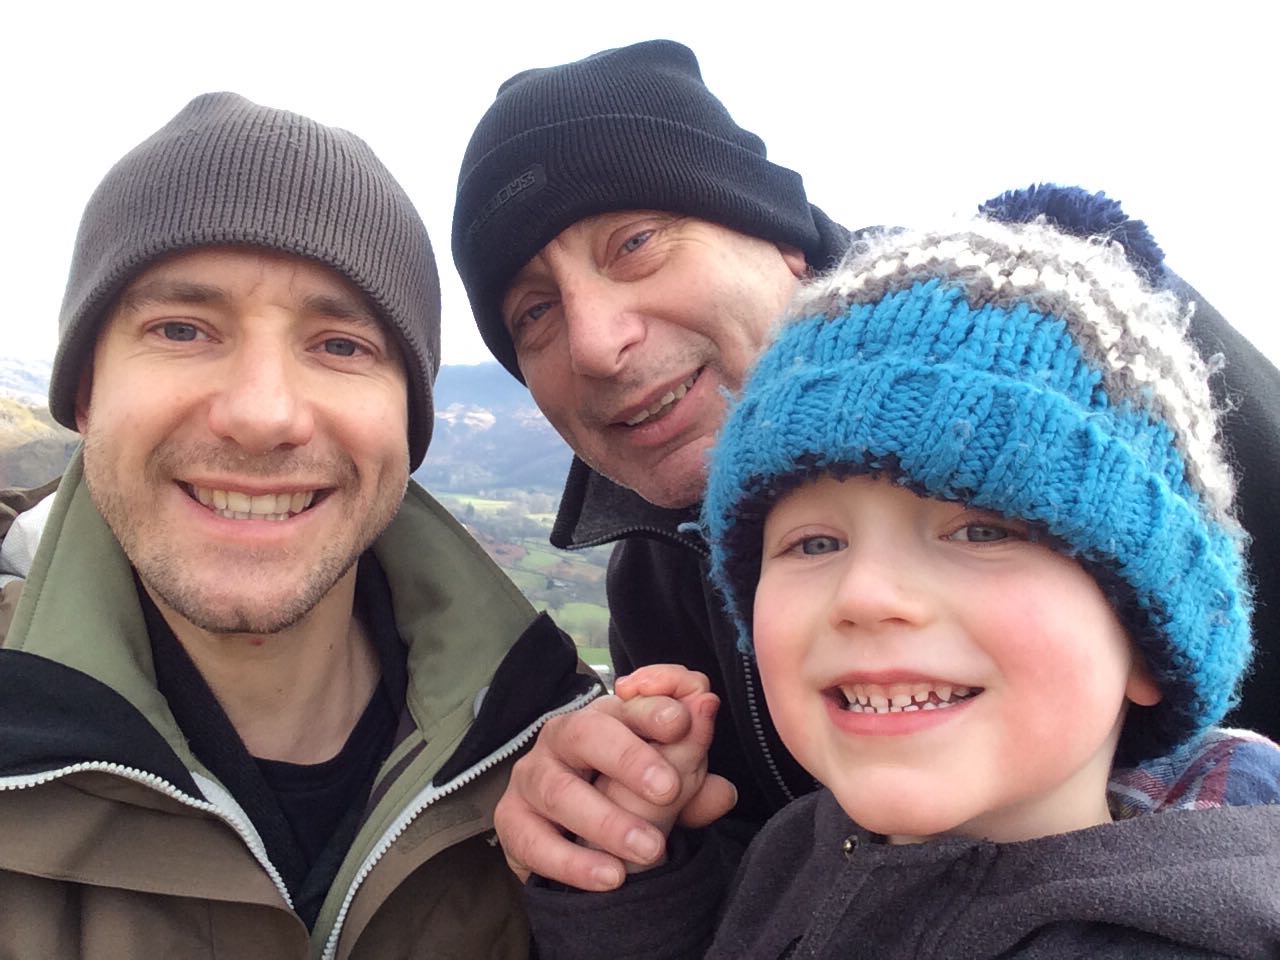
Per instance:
{"type": "Point", "coordinates": [228, 171]}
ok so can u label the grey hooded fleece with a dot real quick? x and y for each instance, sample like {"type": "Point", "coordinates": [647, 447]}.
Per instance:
{"type": "Point", "coordinates": [1198, 883]}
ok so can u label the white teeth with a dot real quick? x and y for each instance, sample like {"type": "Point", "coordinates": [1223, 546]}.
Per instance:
{"type": "Point", "coordinates": [668, 398]}
{"type": "Point", "coordinates": [234, 505]}
{"type": "Point", "coordinates": [903, 698]}
{"type": "Point", "coordinates": [266, 503]}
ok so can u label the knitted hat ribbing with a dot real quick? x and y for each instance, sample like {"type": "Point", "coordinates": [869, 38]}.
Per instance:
{"type": "Point", "coordinates": [628, 129]}
{"type": "Point", "coordinates": [1031, 373]}
{"type": "Point", "coordinates": [228, 171]}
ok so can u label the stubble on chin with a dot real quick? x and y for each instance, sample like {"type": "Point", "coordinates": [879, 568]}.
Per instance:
{"type": "Point", "coordinates": [246, 591]}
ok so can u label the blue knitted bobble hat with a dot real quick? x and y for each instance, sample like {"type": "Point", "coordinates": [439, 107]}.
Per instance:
{"type": "Point", "coordinates": [1025, 371]}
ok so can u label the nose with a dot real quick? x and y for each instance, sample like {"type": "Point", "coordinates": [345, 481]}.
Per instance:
{"type": "Point", "coordinates": [880, 588]}
{"type": "Point", "coordinates": [601, 326]}
{"type": "Point", "coordinates": [260, 403]}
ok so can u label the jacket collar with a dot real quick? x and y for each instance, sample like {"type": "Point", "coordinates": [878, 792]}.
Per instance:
{"type": "Point", "coordinates": [595, 510]}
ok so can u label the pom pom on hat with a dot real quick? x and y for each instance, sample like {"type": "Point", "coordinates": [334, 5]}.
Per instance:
{"type": "Point", "coordinates": [1081, 214]}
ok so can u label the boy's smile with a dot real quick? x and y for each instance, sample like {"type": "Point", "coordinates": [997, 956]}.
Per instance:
{"type": "Point", "coordinates": [889, 709]}
{"type": "Point", "coordinates": [936, 667]}
{"type": "Point", "coordinates": [900, 697]}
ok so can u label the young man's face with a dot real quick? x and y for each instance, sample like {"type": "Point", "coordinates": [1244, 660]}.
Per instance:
{"type": "Point", "coordinates": [1010, 663]}
{"type": "Point", "coordinates": [245, 425]}
{"type": "Point", "coordinates": [627, 327]}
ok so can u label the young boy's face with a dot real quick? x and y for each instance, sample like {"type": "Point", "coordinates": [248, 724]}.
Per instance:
{"type": "Point", "coordinates": [935, 668]}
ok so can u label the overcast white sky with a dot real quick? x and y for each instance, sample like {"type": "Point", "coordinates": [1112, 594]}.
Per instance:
{"type": "Point", "coordinates": [894, 112]}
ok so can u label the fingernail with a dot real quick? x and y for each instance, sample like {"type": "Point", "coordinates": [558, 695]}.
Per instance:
{"type": "Point", "coordinates": [667, 714]}
{"type": "Point", "coordinates": [643, 844]}
{"type": "Point", "coordinates": [658, 783]}
{"type": "Point", "coordinates": [607, 876]}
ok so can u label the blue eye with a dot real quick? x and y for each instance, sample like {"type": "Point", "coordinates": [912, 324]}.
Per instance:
{"type": "Point", "coordinates": [631, 244]}
{"type": "Point", "coordinates": [817, 546]}
{"type": "Point", "coordinates": [340, 347]}
{"type": "Point", "coordinates": [980, 533]}
{"type": "Point", "coordinates": [177, 330]}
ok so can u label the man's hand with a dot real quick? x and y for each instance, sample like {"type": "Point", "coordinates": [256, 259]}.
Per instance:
{"type": "Point", "coordinates": [551, 789]}
{"type": "Point", "coordinates": [688, 756]}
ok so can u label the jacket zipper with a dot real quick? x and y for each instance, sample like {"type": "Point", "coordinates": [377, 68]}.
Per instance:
{"type": "Point", "coordinates": [429, 795]}
{"type": "Point", "coordinates": [658, 533]}
{"type": "Point", "coordinates": [160, 785]}
{"type": "Point", "coordinates": [753, 705]}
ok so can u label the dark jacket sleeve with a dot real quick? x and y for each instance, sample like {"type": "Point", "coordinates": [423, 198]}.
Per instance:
{"type": "Point", "coordinates": [665, 914]}
{"type": "Point", "coordinates": [1249, 387]}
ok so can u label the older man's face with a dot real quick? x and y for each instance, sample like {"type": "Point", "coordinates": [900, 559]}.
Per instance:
{"type": "Point", "coordinates": [245, 426]}
{"type": "Point", "coordinates": [628, 328]}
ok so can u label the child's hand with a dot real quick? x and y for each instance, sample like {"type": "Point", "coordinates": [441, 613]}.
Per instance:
{"type": "Point", "coordinates": [661, 680]}
{"type": "Point", "coordinates": [688, 755]}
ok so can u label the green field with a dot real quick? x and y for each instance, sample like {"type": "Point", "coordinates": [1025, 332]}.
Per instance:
{"type": "Point", "coordinates": [481, 504]}
{"type": "Point", "coordinates": [568, 584]}
{"type": "Point", "coordinates": [527, 580]}
{"type": "Point", "coordinates": [582, 619]}
{"type": "Point", "coordinates": [536, 559]}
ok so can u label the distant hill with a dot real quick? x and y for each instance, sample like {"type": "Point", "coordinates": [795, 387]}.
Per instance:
{"type": "Point", "coordinates": [489, 435]}
{"type": "Point", "coordinates": [33, 448]}
{"type": "Point", "coordinates": [25, 380]}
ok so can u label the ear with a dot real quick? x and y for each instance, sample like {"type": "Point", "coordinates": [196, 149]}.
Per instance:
{"type": "Point", "coordinates": [84, 389]}
{"type": "Point", "coordinates": [1141, 687]}
{"type": "Point", "coordinates": [795, 261]}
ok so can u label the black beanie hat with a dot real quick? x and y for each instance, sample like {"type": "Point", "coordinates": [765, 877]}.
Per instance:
{"type": "Point", "coordinates": [628, 129]}
{"type": "Point", "coordinates": [226, 171]}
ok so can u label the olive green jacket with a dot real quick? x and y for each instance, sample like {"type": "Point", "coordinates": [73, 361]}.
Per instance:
{"type": "Point", "coordinates": [116, 842]}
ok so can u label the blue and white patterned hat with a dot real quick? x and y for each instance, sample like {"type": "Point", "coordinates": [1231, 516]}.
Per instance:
{"type": "Point", "coordinates": [1027, 371]}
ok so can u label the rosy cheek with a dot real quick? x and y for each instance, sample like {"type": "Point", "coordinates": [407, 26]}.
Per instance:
{"type": "Point", "coordinates": [768, 648]}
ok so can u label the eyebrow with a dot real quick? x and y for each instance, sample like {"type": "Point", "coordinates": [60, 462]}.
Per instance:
{"type": "Point", "coordinates": [161, 291]}
{"type": "Point", "coordinates": [340, 307]}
